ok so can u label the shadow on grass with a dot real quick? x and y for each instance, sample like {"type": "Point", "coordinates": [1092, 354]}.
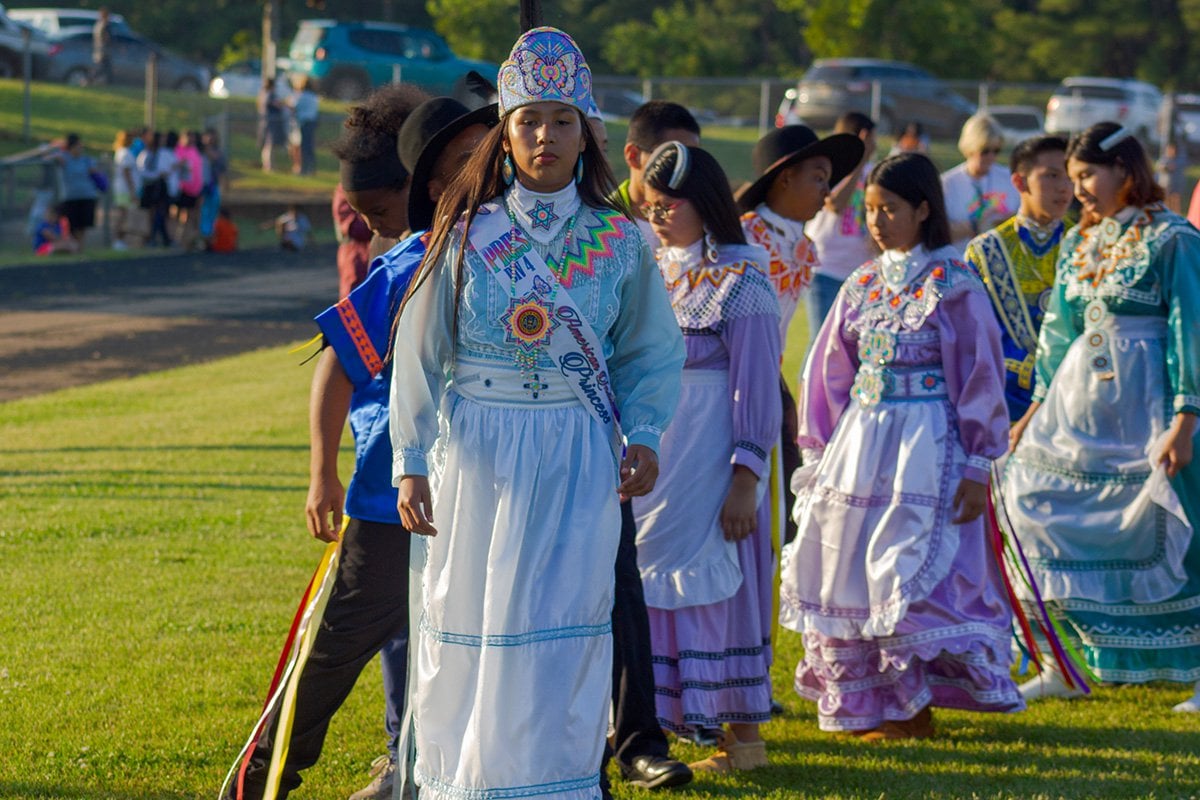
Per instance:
{"type": "Point", "coordinates": [1007, 759]}
{"type": "Point", "coordinates": [157, 448]}
{"type": "Point", "coordinates": [28, 790]}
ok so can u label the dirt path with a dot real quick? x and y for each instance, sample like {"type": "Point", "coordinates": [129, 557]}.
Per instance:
{"type": "Point", "coordinates": [71, 324]}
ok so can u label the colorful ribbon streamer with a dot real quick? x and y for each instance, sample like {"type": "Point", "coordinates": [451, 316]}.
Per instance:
{"type": "Point", "coordinates": [282, 692]}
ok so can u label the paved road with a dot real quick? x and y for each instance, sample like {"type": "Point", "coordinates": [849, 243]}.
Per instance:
{"type": "Point", "coordinates": [70, 324]}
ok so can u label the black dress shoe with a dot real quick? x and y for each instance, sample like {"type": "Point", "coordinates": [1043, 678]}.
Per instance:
{"type": "Point", "coordinates": [654, 772]}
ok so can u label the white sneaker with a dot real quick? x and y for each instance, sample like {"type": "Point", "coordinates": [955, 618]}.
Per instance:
{"type": "Point", "coordinates": [1048, 684]}
{"type": "Point", "coordinates": [119, 244]}
{"type": "Point", "coordinates": [1191, 705]}
{"type": "Point", "coordinates": [383, 770]}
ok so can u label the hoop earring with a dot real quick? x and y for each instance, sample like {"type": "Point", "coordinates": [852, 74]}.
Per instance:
{"type": "Point", "coordinates": [579, 170]}
{"type": "Point", "coordinates": [710, 247]}
{"type": "Point", "coordinates": [508, 173]}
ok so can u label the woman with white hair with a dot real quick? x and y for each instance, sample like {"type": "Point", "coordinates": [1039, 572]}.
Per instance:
{"type": "Point", "coordinates": [979, 192]}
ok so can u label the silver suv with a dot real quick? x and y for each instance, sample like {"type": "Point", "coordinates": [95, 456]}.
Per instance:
{"type": "Point", "coordinates": [833, 86]}
{"type": "Point", "coordinates": [1080, 102]}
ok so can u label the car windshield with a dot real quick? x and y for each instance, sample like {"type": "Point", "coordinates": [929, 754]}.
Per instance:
{"type": "Point", "coordinates": [1016, 119]}
{"type": "Point", "coordinates": [831, 73]}
{"type": "Point", "coordinates": [1090, 92]}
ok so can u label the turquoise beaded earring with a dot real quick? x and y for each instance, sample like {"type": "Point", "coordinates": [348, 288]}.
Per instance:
{"type": "Point", "coordinates": [508, 173]}
{"type": "Point", "coordinates": [579, 170]}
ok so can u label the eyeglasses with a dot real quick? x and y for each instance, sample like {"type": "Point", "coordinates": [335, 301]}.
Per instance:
{"type": "Point", "coordinates": [659, 212]}
{"type": "Point", "coordinates": [990, 151]}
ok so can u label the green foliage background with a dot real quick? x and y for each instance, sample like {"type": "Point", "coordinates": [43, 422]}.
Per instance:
{"type": "Point", "coordinates": [1015, 40]}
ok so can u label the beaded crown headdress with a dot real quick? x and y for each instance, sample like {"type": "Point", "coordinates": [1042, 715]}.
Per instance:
{"type": "Point", "coordinates": [545, 65]}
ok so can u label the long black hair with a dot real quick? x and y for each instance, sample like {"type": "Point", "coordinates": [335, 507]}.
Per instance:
{"type": "Point", "coordinates": [1124, 150]}
{"type": "Point", "coordinates": [915, 179]}
{"type": "Point", "coordinates": [480, 180]}
{"type": "Point", "coordinates": [700, 181]}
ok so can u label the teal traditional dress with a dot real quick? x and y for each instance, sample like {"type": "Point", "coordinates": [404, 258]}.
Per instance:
{"type": "Point", "coordinates": [1110, 538]}
{"type": "Point", "coordinates": [1017, 260]}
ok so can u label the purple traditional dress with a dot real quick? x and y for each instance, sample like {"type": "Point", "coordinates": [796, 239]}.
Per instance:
{"type": "Point", "coordinates": [709, 600]}
{"type": "Point", "coordinates": [903, 398]}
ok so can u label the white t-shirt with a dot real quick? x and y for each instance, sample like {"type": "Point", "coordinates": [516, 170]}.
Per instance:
{"type": "Point", "coordinates": [989, 200]}
{"type": "Point", "coordinates": [125, 164]}
{"type": "Point", "coordinates": [842, 240]}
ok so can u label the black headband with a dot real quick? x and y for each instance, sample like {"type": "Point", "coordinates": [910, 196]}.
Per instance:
{"type": "Point", "coordinates": [384, 171]}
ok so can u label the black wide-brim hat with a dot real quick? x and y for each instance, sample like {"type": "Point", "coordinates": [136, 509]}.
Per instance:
{"type": "Point", "coordinates": [792, 144]}
{"type": "Point", "coordinates": [423, 136]}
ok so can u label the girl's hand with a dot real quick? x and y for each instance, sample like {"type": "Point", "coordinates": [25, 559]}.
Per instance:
{"type": "Point", "coordinates": [1018, 428]}
{"type": "Point", "coordinates": [1178, 451]}
{"type": "Point", "coordinates": [416, 505]}
{"type": "Point", "coordinates": [639, 471]}
{"type": "Point", "coordinates": [970, 501]}
{"type": "Point", "coordinates": [739, 515]}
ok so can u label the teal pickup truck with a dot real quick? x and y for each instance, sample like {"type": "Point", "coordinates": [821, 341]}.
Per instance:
{"type": "Point", "coordinates": [348, 59]}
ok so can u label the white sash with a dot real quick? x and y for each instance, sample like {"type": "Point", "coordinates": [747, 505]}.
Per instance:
{"type": "Point", "coordinates": [521, 272]}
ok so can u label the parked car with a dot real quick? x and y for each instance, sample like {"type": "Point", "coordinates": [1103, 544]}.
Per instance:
{"type": "Point", "coordinates": [1081, 102]}
{"type": "Point", "coordinates": [1187, 120]}
{"type": "Point", "coordinates": [616, 103]}
{"type": "Point", "coordinates": [71, 62]}
{"type": "Point", "coordinates": [242, 79]}
{"type": "Point", "coordinates": [57, 21]}
{"type": "Point", "coordinates": [1018, 122]}
{"type": "Point", "coordinates": [12, 47]}
{"type": "Point", "coordinates": [833, 86]}
{"type": "Point", "coordinates": [348, 59]}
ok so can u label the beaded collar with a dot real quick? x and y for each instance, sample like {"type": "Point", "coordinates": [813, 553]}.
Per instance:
{"type": "Point", "coordinates": [1039, 238]}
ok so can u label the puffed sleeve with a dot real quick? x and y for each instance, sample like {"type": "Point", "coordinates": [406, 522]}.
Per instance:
{"type": "Point", "coordinates": [826, 379]}
{"type": "Point", "coordinates": [754, 351]}
{"type": "Point", "coordinates": [646, 364]}
{"type": "Point", "coordinates": [1180, 261]}
{"type": "Point", "coordinates": [1055, 337]}
{"type": "Point", "coordinates": [423, 352]}
{"type": "Point", "coordinates": [973, 362]}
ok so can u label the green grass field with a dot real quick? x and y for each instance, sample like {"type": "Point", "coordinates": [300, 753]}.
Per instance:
{"type": "Point", "coordinates": [152, 550]}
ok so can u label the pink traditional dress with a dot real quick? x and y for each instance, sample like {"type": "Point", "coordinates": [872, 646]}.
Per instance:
{"type": "Point", "coordinates": [903, 397]}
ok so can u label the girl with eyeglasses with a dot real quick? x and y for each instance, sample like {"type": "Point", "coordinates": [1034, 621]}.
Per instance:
{"type": "Point", "coordinates": [704, 531]}
{"type": "Point", "coordinates": [979, 192]}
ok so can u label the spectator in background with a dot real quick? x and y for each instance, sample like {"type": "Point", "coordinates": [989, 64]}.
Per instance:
{"type": "Point", "coordinates": [154, 165]}
{"type": "Point", "coordinates": [912, 139]}
{"type": "Point", "coordinates": [215, 169]}
{"type": "Point", "coordinates": [1171, 174]}
{"type": "Point", "coordinates": [979, 192]}
{"type": "Point", "coordinates": [101, 49]}
{"type": "Point", "coordinates": [306, 112]}
{"type": "Point", "coordinates": [293, 228]}
{"type": "Point", "coordinates": [839, 230]}
{"type": "Point", "coordinates": [80, 188]}
{"type": "Point", "coordinates": [53, 234]}
{"type": "Point", "coordinates": [191, 185]}
{"type": "Point", "coordinates": [224, 234]}
{"type": "Point", "coordinates": [125, 187]}
{"type": "Point", "coordinates": [354, 242]}
{"type": "Point", "coordinates": [272, 122]}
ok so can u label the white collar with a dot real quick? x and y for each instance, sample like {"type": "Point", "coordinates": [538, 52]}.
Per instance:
{"type": "Point", "coordinates": [790, 229]}
{"type": "Point", "coordinates": [542, 216]}
{"type": "Point", "coordinates": [898, 267]}
{"type": "Point", "coordinates": [675, 261]}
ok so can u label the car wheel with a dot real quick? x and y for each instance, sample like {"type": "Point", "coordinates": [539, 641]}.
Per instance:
{"type": "Point", "coordinates": [77, 76]}
{"type": "Point", "coordinates": [187, 85]}
{"type": "Point", "coordinates": [346, 87]}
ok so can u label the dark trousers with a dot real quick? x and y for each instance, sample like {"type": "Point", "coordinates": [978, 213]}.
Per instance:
{"type": "Point", "coordinates": [789, 451]}
{"type": "Point", "coordinates": [635, 716]}
{"type": "Point", "coordinates": [367, 609]}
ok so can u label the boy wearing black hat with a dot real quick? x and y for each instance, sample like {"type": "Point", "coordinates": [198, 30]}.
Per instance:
{"type": "Point", "coordinates": [795, 169]}
{"type": "Point", "coordinates": [369, 603]}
